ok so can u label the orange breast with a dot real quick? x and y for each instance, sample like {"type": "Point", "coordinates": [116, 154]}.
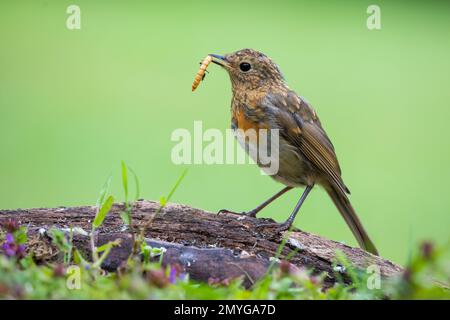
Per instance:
{"type": "Point", "coordinates": [244, 123]}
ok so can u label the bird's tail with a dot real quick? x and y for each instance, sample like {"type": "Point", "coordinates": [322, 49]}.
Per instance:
{"type": "Point", "coordinates": [348, 213]}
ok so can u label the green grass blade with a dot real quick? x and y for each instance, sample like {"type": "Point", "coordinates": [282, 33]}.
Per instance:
{"type": "Point", "coordinates": [137, 185]}
{"type": "Point", "coordinates": [104, 191]}
{"type": "Point", "coordinates": [162, 201]}
{"type": "Point", "coordinates": [125, 181]}
{"type": "Point", "coordinates": [126, 218]}
{"type": "Point", "coordinates": [101, 214]}
{"type": "Point", "coordinates": [177, 184]}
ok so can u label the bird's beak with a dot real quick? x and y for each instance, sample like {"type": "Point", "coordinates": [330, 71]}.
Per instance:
{"type": "Point", "coordinates": [220, 60]}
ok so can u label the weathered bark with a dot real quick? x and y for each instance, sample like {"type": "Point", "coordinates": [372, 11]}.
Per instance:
{"type": "Point", "coordinates": [206, 245]}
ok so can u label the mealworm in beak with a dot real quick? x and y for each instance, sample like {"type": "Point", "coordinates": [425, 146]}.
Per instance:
{"type": "Point", "coordinates": [201, 72]}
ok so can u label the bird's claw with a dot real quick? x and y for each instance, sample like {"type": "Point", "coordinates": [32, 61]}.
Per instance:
{"type": "Point", "coordinates": [243, 213]}
{"type": "Point", "coordinates": [284, 227]}
{"type": "Point", "coordinates": [278, 227]}
{"type": "Point", "coordinates": [226, 211]}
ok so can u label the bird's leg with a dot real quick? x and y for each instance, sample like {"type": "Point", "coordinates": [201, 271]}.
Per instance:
{"type": "Point", "coordinates": [288, 223]}
{"type": "Point", "coordinates": [252, 213]}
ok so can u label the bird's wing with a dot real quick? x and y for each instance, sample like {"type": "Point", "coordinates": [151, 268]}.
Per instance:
{"type": "Point", "coordinates": [300, 125]}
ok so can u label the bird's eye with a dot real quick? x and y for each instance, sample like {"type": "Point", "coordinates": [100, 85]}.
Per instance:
{"type": "Point", "coordinates": [245, 66]}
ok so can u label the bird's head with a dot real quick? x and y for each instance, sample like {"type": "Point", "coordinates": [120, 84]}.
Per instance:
{"type": "Point", "coordinates": [249, 69]}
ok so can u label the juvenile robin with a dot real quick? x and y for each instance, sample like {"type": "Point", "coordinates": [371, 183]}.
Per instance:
{"type": "Point", "coordinates": [262, 99]}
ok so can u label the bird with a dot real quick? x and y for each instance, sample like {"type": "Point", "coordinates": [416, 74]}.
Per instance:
{"type": "Point", "coordinates": [261, 99]}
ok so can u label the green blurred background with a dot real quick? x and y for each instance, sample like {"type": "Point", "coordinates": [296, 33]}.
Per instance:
{"type": "Point", "coordinates": [74, 103]}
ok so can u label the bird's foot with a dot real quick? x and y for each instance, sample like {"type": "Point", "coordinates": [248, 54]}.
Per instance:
{"type": "Point", "coordinates": [250, 213]}
{"type": "Point", "coordinates": [278, 228]}
{"type": "Point", "coordinates": [284, 226]}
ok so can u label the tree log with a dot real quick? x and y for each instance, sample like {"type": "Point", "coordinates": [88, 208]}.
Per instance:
{"type": "Point", "coordinates": [204, 244]}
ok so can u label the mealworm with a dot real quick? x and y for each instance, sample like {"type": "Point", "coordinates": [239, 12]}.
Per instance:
{"type": "Point", "coordinates": [201, 72]}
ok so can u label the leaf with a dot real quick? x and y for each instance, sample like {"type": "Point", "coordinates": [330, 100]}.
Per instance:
{"type": "Point", "coordinates": [162, 201]}
{"type": "Point", "coordinates": [155, 252]}
{"type": "Point", "coordinates": [136, 181]}
{"type": "Point", "coordinates": [177, 184]}
{"type": "Point", "coordinates": [20, 236]}
{"type": "Point", "coordinates": [106, 249]}
{"type": "Point", "coordinates": [78, 258]}
{"type": "Point", "coordinates": [125, 181]}
{"type": "Point", "coordinates": [103, 247]}
{"type": "Point", "coordinates": [125, 217]}
{"type": "Point", "coordinates": [59, 239]}
{"type": "Point", "coordinates": [109, 245]}
{"type": "Point", "coordinates": [104, 191]}
{"type": "Point", "coordinates": [101, 214]}
{"type": "Point", "coordinates": [145, 251]}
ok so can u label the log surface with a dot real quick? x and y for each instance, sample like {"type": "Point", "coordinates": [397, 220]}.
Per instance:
{"type": "Point", "coordinates": [205, 244]}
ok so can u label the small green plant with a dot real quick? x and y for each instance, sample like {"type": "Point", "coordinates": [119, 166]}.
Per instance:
{"type": "Point", "coordinates": [99, 254]}
{"type": "Point", "coordinates": [149, 252]}
{"type": "Point", "coordinates": [100, 216]}
{"type": "Point", "coordinates": [63, 244]}
{"type": "Point", "coordinates": [126, 214]}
